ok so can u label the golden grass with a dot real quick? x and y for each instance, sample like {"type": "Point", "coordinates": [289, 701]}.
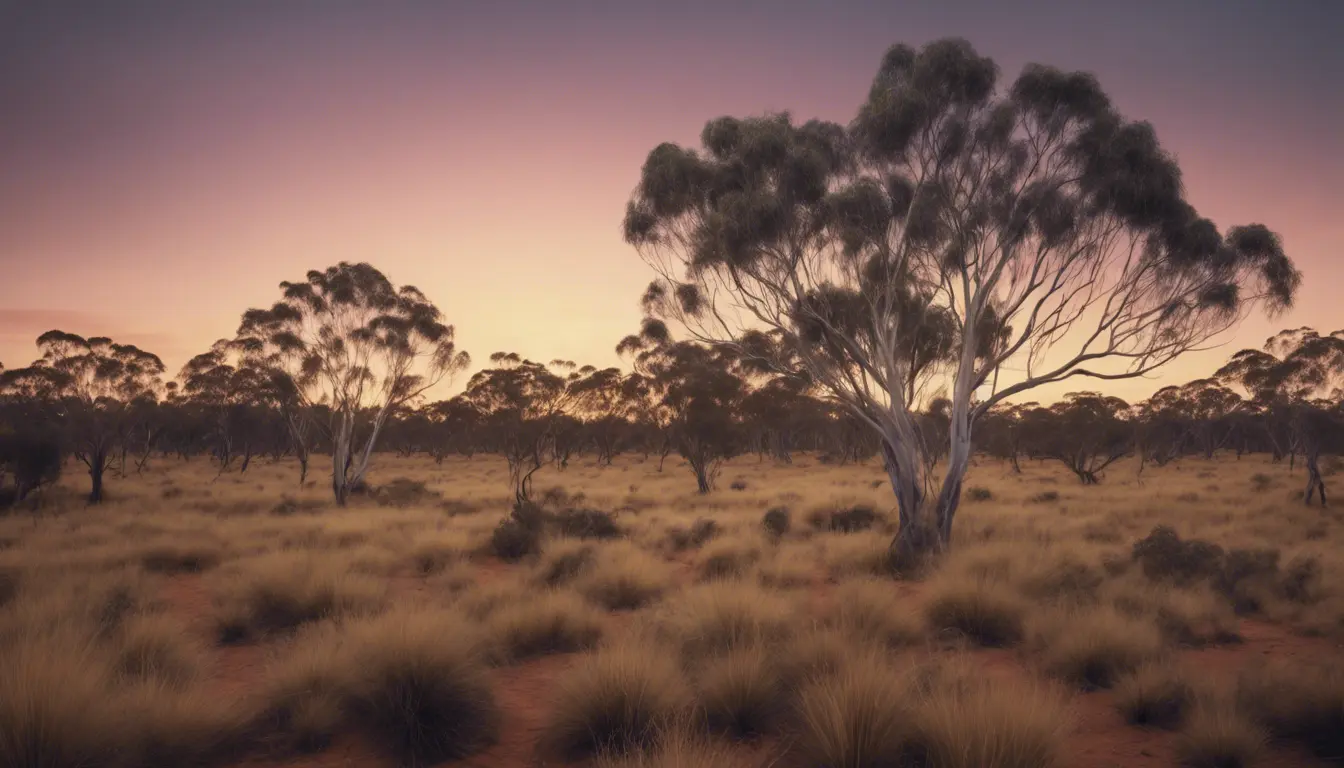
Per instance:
{"type": "Point", "coordinates": [721, 617]}
{"type": "Point", "coordinates": [281, 591]}
{"type": "Point", "coordinates": [986, 613]}
{"type": "Point", "coordinates": [387, 619]}
{"type": "Point", "coordinates": [1093, 647]}
{"type": "Point", "coordinates": [615, 700]}
{"type": "Point", "coordinates": [1157, 695]}
{"type": "Point", "coordinates": [860, 717]}
{"type": "Point", "coordinates": [872, 611]}
{"type": "Point", "coordinates": [416, 680]}
{"type": "Point", "coordinates": [554, 622]}
{"type": "Point", "coordinates": [624, 578]}
{"type": "Point", "coordinates": [1300, 701]}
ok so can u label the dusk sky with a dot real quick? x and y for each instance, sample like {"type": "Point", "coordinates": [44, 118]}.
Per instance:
{"type": "Point", "coordinates": [163, 166]}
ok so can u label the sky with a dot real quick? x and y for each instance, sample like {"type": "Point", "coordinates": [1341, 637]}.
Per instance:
{"type": "Point", "coordinates": [164, 165]}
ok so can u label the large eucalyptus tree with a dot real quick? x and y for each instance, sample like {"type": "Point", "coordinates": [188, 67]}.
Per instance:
{"type": "Point", "coordinates": [349, 339]}
{"type": "Point", "coordinates": [1026, 234]}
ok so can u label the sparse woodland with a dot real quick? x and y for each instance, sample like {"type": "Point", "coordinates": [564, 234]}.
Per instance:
{"type": "Point", "coordinates": [816, 519]}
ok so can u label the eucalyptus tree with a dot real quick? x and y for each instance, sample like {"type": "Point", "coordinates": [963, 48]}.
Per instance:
{"type": "Point", "coordinates": [1298, 377]}
{"type": "Point", "coordinates": [92, 390]}
{"type": "Point", "coordinates": [349, 339]}
{"type": "Point", "coordinates": [700, 390]}
{"type": "Point", "coordinates": [1086, 432]}
{"type": "Point", "coordinates": [606, 401]}
{"type": "Point", "coordinates": [1001, 428]}
{"type": "Point", "coordinates": [520, 401]}
{"type": "Point", "coordinates": [1024, 234]}
{"type": "Point", "coordinates": [1202, 412]}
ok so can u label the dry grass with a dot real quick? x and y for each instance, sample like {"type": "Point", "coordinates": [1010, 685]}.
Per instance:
{"type": "Point", "coordinates": [860, 717]}
{"type": "Point", "coordinates": [1298, 701]}
{"type": "Point", "coordinates": [417, 681]}
{"type": "Point", "coordinates": [986, 613]}
{"type": "Point", "coordinates": [615, 700]}
{"type": "Point", "coordinates": [871, 611]}
{"type": "Point", "coordinates": [624, 578]}
{"type": "Point", "coordinates": [1218, 736]}
{"type": "Point", "coordinates": [282, 591]}
{"type": "Point", "coordinates": [554, 622]}
{"type": "Point", "coordinates": [721, 617]}
{"type": "Point", "coordinates": [1156, 695]}
{"type": "Point", "coordinates": [1093, 648]}
{"type": "Point", "coordinates": [736, 627]}
{"type": "Point", "coordinates": [678, 746]}
{"type": "Point", "coordinates": [157, 648]}
{"type": "Point", "coordinates": [742, 692]}
{"type": "Point", "coordinates": [974, 722]}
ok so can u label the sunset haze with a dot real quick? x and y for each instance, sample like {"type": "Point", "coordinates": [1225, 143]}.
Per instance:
{"type": "Point", "coordinates": [166, 165]}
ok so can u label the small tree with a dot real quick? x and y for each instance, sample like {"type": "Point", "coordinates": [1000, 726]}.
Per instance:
{"type": "Point", "coordinates": [1086, 432]}
{"type": "Point", "coordinates": [90, 388]}
{"type": "Point", "coordinates": [956, 234]}
{"type": "Point", "coordinates": [351, 340]}
{"type": "Point", "coordinates": [1299, 375]}
{"type": "Point", "coordinates": [520, 401]}
{"type": "Point", "coordinates": [701, 391]}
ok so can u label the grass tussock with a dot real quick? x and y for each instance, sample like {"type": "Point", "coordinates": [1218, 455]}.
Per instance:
{"type": "Point", "coordinates": [281, 592]}
{"type": "Point", "coordinates": [860, 717]}
{"type": "Point", "coordinates": [678, 746]}
{"type": "Point", "coordinates": [435, 552]}
{"type": "Point", "coordinates": [727, 558]}
{"type": "Point", "coordinates": [986, 613]}
{"type": "Point", "coordinates": [555, 622]}
{"type": "Point", "coordinates": [614, 701]}
{"type": "Point", "coordinates": [742, 693]}
{"type": "Point", "coordinates": [1217, 735]}
{"type": "Point", "coordinates": [973, 722]}
{"type": "Point", "coordinates": [871, 611]}
{"type": "Point", "coordinates": [562, 562]}
{"type": "Point", "coordinates": [721, 617]}
{"type": "Point", "coordinates": [624, 578]}
{"type": "Point", "coordinates": [1156, 695]}
{"type": "Point", "coordinates": [416, 681]}
{"type": "Point", "coordinates": [1298, 701]}
{"type": "Point", "coordinates": [171, 557]}
{"type": "Point", "coordinates": [64, 707]}
{"type": "Point", "coordinates": [157, 648]}
{"type": "Point", "coordinates": [1094, 648]}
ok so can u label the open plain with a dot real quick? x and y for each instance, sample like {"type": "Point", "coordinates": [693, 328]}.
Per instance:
{"type": "Point", "coordinates": [238, 619]}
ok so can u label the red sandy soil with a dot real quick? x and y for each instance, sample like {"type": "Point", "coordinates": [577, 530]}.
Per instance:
{"type": "Point", "coordinates": [1100, 737]}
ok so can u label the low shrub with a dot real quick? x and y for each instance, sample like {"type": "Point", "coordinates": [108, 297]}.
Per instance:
{"type": "Point", "coordinates": [513, 540]}
{"type": "Point", "coordinates": [776, 521]}
{"type": "Point", "coordinates": [587, 524]}
{"type": "Point", "coordinates": [977, 493]}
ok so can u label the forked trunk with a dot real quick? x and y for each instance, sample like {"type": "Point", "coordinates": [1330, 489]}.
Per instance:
{"type": "Point", "coordinates": [97, 466]}
{"type": "Point", "coordinates": [1315, 481]}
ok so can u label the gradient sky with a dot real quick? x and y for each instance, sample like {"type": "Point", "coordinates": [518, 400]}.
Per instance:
{"type": "Point", "coordinates": [164, 165]}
